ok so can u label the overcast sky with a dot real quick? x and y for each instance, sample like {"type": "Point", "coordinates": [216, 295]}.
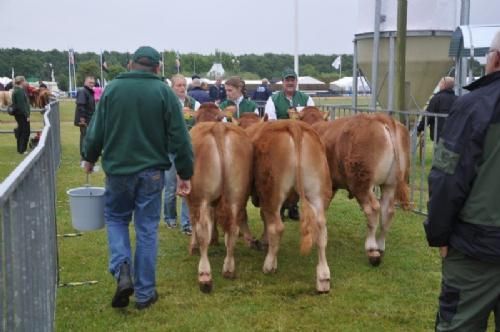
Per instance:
{"type": "Point", "coordinates": [201, 26]}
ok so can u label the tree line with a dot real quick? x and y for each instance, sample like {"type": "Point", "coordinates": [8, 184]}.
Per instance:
{"type": "Point", "coordinates": [37, 65]}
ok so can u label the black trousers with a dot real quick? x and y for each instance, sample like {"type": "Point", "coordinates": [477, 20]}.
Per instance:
{"type": "Point", "coordinates": [83, 132]}
{"type": "Point", "coordinates": [22, 133]}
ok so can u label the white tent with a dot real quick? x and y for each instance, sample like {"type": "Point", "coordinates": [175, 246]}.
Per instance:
{"type": "Point", "coordinates": [216, 71]}
{"type": "Point", "coordinates": [344, 85]}
{"type": "Point", "coordinates": [304, 80]}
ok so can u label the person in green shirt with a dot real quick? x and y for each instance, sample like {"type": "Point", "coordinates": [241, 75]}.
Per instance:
{"type": "Point", "coordinates": [278, 104]}
{"type": "Point", "coordinates": [138, 122]}
{"type": "Point", "coordinates": [21, 105]}
{"type": "Point", "coordinates": [234, 94]}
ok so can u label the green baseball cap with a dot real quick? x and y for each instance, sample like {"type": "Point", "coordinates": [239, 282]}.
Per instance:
{"type": "Point", "coordinates": [289, 72]}
{"type": "Point", "coordinates": [149, 53]}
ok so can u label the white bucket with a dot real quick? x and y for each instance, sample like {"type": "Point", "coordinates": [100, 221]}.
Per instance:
{"type": "Point", "coordinates": [87, 208]}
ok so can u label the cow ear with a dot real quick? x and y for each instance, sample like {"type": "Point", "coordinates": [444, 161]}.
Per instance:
{"type": "Point", "coordinates": [235, 121]}
{"type": "Point", "coordinates": [265, 118]}
{"type": "Point", "coordinates": [326, 116]}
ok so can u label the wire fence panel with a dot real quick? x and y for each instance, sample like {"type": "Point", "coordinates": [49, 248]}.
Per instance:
{"type": "Point", "coordinates": [421, 147]}
{"type": "Point", "coordinates": [28, 240]}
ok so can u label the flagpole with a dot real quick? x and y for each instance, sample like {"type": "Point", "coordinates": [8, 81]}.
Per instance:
{"type": "Point", "coordinates": [74, 69]}
{"type": "Point", "coordinates": [340, 67]}
{"type": "Point", "coordinates": [296, 51]}
{"type": "Point", "coordinates": [69, 73]}
{"type": "Point", "coordinates": [163, 63]}
{"type": "Point", "coordinates": [102, 74]}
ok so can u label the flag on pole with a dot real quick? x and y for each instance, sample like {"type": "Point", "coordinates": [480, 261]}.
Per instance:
{"type": "Point", "coordinates": [337, 62]}
{"type": "Point", "coordinates": [104, 64]}
{"type": "Point", "coordinates": [178, 62]}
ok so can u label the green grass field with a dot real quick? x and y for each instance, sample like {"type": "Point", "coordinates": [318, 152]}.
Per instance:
{"type": "Point", "coordinates": [399, 295]}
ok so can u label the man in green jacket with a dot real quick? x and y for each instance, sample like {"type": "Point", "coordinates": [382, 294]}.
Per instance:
{"type": "Point", "coordinates": [138, 122]}
{"type": "Point", "coordinates": [21, 105]}
{"type": "Point", "coordinates": [277, 105]}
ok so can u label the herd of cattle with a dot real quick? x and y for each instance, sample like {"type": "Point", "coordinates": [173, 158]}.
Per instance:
{"type": "Point", "coordinates": [285, 161]}
{"type": "Point", "coordinates": [38, 98]}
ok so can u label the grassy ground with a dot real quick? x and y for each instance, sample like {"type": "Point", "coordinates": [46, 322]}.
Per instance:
{"type": "Point", "coordinates": [399, 295]}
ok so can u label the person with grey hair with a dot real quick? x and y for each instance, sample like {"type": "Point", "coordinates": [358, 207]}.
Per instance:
{"type": "Point", "coordinates": [22, 109]}
{"type": "Point", "coordinates": [197, 92]}
{"type": "Point", "coordinates": [440, 103]}
{"type": "Point", "coordinates": [137, 124]}
{"type": "Point", "coordinates": [464, 218]}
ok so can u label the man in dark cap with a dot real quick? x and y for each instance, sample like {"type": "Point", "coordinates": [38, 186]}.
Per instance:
{"type": "Point", "coordinates": [138, 122]}
{"type": "Point", "coordinates": [277, 107]}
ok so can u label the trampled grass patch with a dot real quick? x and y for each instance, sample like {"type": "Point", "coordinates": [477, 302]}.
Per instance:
{"type": "Point", "coordinates": [399, 295]}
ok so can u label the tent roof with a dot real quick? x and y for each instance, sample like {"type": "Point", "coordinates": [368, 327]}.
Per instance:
{"type": "Point", "coordinates": [472, 40]}
{"type": "Point", "coordinates": [306, 80]}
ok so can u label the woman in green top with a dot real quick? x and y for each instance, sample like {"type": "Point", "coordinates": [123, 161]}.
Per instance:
{"type": "Point", "coordinates": [234, 91]}
{"type": "Point", "coordinates": [21, 106]}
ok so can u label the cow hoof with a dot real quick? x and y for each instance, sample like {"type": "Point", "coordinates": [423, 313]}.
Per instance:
{"type": "Point", "coordinates": [229, 274]}
{"type": "Point", "coordinates": [323, 286]}
{"type": "Point", "coordinates": [206, 287]}
{"type": "Point", "coordinates": [375, 260]}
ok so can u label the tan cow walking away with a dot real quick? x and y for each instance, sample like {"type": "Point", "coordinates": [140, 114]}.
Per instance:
{"type": "Point", "coordinates": [365, 151]}
{"type": "Point", "coordinates": [220, 189]}
{"type": "Point", "coordinates": [289, 160]}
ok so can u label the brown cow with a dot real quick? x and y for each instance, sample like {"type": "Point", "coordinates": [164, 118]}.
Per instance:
{"type": "Point", "coordinates": [209, 112]}
{"type": "Point", "coordinates": [289, 158]}
{"type": "Point", "coordinates": [248, 119]}
{"type": "Point", "coordinates": [220, 189]}
{"type": "Point", "coordinates": [365, 151]}
{"type": "Point", "coordinates": [5, 98]}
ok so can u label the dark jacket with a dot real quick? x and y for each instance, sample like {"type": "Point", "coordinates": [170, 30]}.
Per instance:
{"type": "Point", "coordinates": [20, 102]}
{"type": "Point", "coordinates": [440, 103]}
{"type": "Point", "coordinates": [199, 95]}
{"type": "Point", "coordinates": [138, 122]}
{"type": "Point", "coordinates": [217, 93]}
{"type": "Point", "coordinates": [464, 184]}
{"type": "Point", "coordinates": [262, 92]}
{"type": "Point", "coordinates": [85, 105]}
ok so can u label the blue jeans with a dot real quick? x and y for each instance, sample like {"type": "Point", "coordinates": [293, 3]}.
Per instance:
{"type": "Point", "coordinates": [170, 200]}
{"type": "Point", "coordinates": [138, 194]}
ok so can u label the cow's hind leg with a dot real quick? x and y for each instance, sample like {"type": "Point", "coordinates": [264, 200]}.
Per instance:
{"type": "Point", "coordinates": [386, 214]}
{"type": "Point", "coordinates": [230, 237]}
{"type": "Point", "coordinates": [371, 207]}
{"type": "Point", "coordinates": [274, 227]}
{"type": "Point", "coordinates": [322, 269]}
{"type": "Point", "coordinates": [203, 233]}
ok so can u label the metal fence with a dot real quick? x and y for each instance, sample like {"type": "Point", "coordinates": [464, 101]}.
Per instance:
{"type": "Point", "coordinates": [28, 242]}
{"type": "Point", "coordinates": [421, 148]}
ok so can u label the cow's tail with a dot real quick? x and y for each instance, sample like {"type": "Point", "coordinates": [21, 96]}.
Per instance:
{"type": "Point", "coordinates": [223, 212]}
{"type": "Point", "coordinates": [308, 224]}
{"type": "Point", "coordinates": [398, 144]}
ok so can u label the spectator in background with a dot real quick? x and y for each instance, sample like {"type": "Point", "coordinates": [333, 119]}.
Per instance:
{"type": "Point", "coordinates": [440, 103]}
{"type": "Point", "coordinates": [189, 105]}
{"type": "Point", "coordinates": [97, 92]}
{"type": "Point", "coordinates": [85, 106]}
{"type": "Point", "coordinates": [217, 91]}
{"type": "Point", "coordinates": [235, 98]}
{"type": "Point", "coordinates": [9, 86]}
{"type": "Point", "coordinates": [136, 126]}
{"type": "Point", "coordinates": [198, 93]}
{"type": "Point", "coordinates": [262, 93]}
{"type": "Point", "coordinates": [2, 87]}
{"type": "Point", "coordinates": [21, 105]}
{"type": "Point", "coordinates": [464, 218]}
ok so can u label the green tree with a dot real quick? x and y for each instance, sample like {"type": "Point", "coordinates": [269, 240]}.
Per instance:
{"type": "Point", "coordinates": [87, 68]}
{"type": "Point", "coordinates": [114, 70]}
